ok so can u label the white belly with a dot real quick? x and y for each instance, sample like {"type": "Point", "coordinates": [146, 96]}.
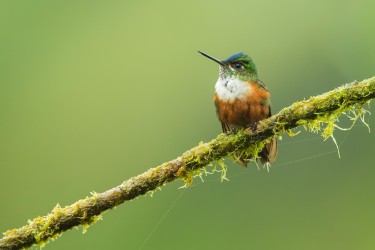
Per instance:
{"type": "Point", "coordinates": [229, 89]}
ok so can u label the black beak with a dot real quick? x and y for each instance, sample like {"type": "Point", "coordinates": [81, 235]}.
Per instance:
{"type": "Point", "coordinates": [212, 58]}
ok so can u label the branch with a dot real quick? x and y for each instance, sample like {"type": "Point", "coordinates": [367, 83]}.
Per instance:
{"type": "Point", "coordinates": [311, 113]}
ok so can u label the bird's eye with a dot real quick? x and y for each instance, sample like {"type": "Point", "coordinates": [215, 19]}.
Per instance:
{"type": "Point", "coordinates": [237, 66]}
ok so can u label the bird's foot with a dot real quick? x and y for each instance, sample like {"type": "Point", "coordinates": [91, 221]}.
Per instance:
{"type": "Point", "coordinates": [254, 127]}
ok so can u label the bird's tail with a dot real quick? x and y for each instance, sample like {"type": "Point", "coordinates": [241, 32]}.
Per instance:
{"type": "Point", "coordinates": [269, 152]}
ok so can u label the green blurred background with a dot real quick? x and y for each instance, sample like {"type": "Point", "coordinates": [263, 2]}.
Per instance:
{"type": "Point", "coordinates": [94, 92]}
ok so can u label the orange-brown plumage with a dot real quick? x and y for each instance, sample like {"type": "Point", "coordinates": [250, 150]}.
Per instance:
{"type": "Point", "coordinates": [244, 112]}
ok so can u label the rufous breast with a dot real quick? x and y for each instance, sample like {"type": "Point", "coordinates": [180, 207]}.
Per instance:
{"type": "Point", "coordinates": [244, 109]}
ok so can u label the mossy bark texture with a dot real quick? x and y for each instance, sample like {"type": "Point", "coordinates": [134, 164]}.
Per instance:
{"type": "Point", "coordinates": [322, 109]}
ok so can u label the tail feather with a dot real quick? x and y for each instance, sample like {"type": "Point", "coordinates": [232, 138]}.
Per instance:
{"type": "Point", "coordinates": [269, 152]}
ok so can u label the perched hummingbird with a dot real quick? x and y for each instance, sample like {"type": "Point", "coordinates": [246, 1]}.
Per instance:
{"type": "Point", "coordinates": [242, 100]}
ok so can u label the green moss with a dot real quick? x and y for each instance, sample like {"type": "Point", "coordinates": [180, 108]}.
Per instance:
{"type": "Point", "coordinates": [44, 228]}
{"type": "Point", "coordinates": [217, 167]}
{"type": "Point", "coordinates": [325, 124]}
{"type": "Point", "coordinates": [188, 175]}
{"type": "Point", "coordinates": [319, 114]}
{"type": "Point", "coordinates": [90, 220]}
{"type": "Point", "coordinates": [223, 170]}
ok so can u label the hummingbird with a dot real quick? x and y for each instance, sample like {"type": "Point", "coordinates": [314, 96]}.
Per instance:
{"type": "Point", "coordinates": [242, 100]}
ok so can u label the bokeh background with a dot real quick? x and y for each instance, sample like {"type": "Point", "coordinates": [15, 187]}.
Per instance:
{"type": "Point", "coordinates": [95, 92]}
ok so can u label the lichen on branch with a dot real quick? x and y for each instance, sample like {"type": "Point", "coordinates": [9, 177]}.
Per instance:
{"type": "Point", "coordinates": [317, 114]}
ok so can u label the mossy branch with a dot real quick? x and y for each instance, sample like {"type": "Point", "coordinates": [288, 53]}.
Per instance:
{"type": "Point", "coordinates": [311, 113]}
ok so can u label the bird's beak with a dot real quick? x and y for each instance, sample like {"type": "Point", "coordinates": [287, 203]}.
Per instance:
{"type": "Point", "coordinates": [212, 58]}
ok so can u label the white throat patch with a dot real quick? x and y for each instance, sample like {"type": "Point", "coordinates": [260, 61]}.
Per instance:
{"type": "Point", "coordinates": [229, 89]}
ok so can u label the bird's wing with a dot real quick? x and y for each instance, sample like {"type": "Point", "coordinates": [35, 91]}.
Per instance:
{"type": "Point", "coordinates": [262, 85]}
